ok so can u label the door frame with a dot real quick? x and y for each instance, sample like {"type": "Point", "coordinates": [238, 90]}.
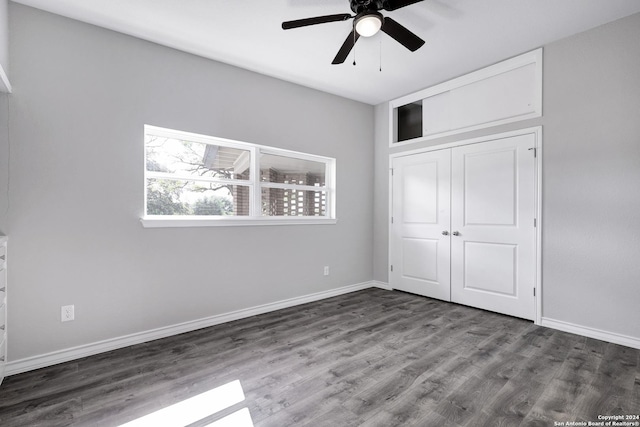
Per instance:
{"type": "Point", "coordinates": [537, 133]}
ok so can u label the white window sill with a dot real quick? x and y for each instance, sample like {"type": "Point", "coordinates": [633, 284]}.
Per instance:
{"type": "Point", "coordinates": [164, 222]}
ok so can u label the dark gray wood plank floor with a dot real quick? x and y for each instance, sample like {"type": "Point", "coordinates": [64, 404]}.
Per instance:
{"type": "Point", "coordinates": [369, 358]}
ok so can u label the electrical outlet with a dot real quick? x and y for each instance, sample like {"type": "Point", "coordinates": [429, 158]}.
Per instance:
{"type": "Point", "coordinates": [67, 313]}
{"type": "Point", "coordinates": [326, 270]}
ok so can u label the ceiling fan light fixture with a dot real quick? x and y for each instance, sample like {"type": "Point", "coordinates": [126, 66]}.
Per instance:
{"type": "Point", "coordinates": [368, 24]}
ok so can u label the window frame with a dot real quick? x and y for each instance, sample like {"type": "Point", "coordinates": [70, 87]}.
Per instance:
{"type": "Point", "coordinates": [254, 184]}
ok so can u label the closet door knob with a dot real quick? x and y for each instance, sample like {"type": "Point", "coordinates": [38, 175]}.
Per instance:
{"type": "Point", "coordinates": [456, 233]}
{"type": "Point", "coordinates": [445, 233]}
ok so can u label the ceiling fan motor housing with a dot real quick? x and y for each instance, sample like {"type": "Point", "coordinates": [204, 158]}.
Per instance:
{"type": "Point", "coordinates": [363, 6]}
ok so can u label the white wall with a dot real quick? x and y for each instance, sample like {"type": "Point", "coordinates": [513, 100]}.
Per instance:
{"type": "Point", "coordinates": [591, 179]}
{"type": "Point", "coordinates": [81, 96]}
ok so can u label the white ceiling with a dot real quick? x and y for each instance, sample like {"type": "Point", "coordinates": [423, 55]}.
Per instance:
{"type": "Point", "coordinates": [461, 36]}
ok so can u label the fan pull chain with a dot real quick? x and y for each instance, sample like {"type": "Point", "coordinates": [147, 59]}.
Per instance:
{"type": "Point", "coordinates": [380, 55]}
{"type": "Point", "coordinates": [354, 46]}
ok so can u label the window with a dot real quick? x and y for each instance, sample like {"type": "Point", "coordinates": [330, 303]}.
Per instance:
{"type": "Point", "coordinates": [198, 180]}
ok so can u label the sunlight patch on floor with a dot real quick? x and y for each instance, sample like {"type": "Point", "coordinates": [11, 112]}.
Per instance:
{"type": "Point", "coordinates": [241, 418]}
{"type": "Point", "coordinates": [199, 407]}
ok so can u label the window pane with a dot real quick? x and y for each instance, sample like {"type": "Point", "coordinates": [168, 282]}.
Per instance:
{"type": "Point", "coordinates": [410, 121]}
{"type": "Point", "coordinates": [177, 197]}
{"type": "Point", "coordinates": [196, 159]}
{"type": "Point", "coordinates": [281, 202]}
{"type": "Point", "coordinates": [289, 170]}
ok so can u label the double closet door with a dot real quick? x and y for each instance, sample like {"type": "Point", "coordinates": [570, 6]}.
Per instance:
{"type": "Point", "coordinates": [463, 225]}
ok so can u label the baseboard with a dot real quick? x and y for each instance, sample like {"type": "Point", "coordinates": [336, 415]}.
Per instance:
{"type": "Point", "coordinates": [381, 285]}
{"type": "Point", "coordinates": [60, 356]}
{"type": "Point", "coordinates": [66, 355]}
{"type": "Point", "coordinates": [611, 337]}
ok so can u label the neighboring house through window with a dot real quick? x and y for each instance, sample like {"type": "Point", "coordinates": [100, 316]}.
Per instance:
{"type": "Point", "coordinates": [195, 180]}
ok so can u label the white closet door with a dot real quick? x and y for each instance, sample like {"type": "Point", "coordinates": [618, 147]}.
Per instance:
{"type": "Point", "coordinates": [420, 244]}
{"type": "Point", "coordinates": [492, 224]}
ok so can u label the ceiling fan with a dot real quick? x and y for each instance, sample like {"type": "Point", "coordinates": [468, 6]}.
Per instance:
{"type": "Point", "coordinates": [367, 21]}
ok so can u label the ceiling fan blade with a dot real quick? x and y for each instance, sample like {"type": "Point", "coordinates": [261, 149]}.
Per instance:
{"type": "Point", "coordinates": [397, 4]}
{"type": "Point", "coordinates": [403, 36]}
{"type": "Point", "coordinates": [313, 21]}
{"type": "Point", "coordinates": [348, 44]}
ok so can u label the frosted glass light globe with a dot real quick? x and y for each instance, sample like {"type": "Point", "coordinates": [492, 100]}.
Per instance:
{"type": "Point", "coordinates": [368, 25]}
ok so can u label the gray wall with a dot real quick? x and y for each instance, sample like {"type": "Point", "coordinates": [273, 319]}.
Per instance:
{"type": "Point", "coordinates": [4, 161]}
{"type": "Point", "coordinates": [4, 35]}
{"type": "Point", "coordinates": [591, 179]}
{"type": "Point", "coordinates": [4, 117]}
{"type": "Point", "coordinates": [81, 97]}
{"type": "Point", "coordinates": [591, 193]}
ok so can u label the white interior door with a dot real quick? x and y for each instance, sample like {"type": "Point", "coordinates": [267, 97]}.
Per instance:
{"type": "Point", "coordinates": [419, 241]}
{"type": "Point", "coordinates": [493, 253]}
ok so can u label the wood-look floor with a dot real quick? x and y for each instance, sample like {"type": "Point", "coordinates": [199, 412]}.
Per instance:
{"type": "Point", "coordinates": [369, 358]}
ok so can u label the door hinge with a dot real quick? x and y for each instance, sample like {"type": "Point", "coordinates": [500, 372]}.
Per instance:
{"type": "Point", "coordinates": [391, 171]}
{"type": "Point", "coordinates": [535, 222]}
{"type": "Point", "coordinates": [392, 267]}
{"type": "Point", "coordinates": [535, 151]}
{"type": "Point", "coordinates": [391, 220]}
{"type": "Point", "coordinates": [534, 292]}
